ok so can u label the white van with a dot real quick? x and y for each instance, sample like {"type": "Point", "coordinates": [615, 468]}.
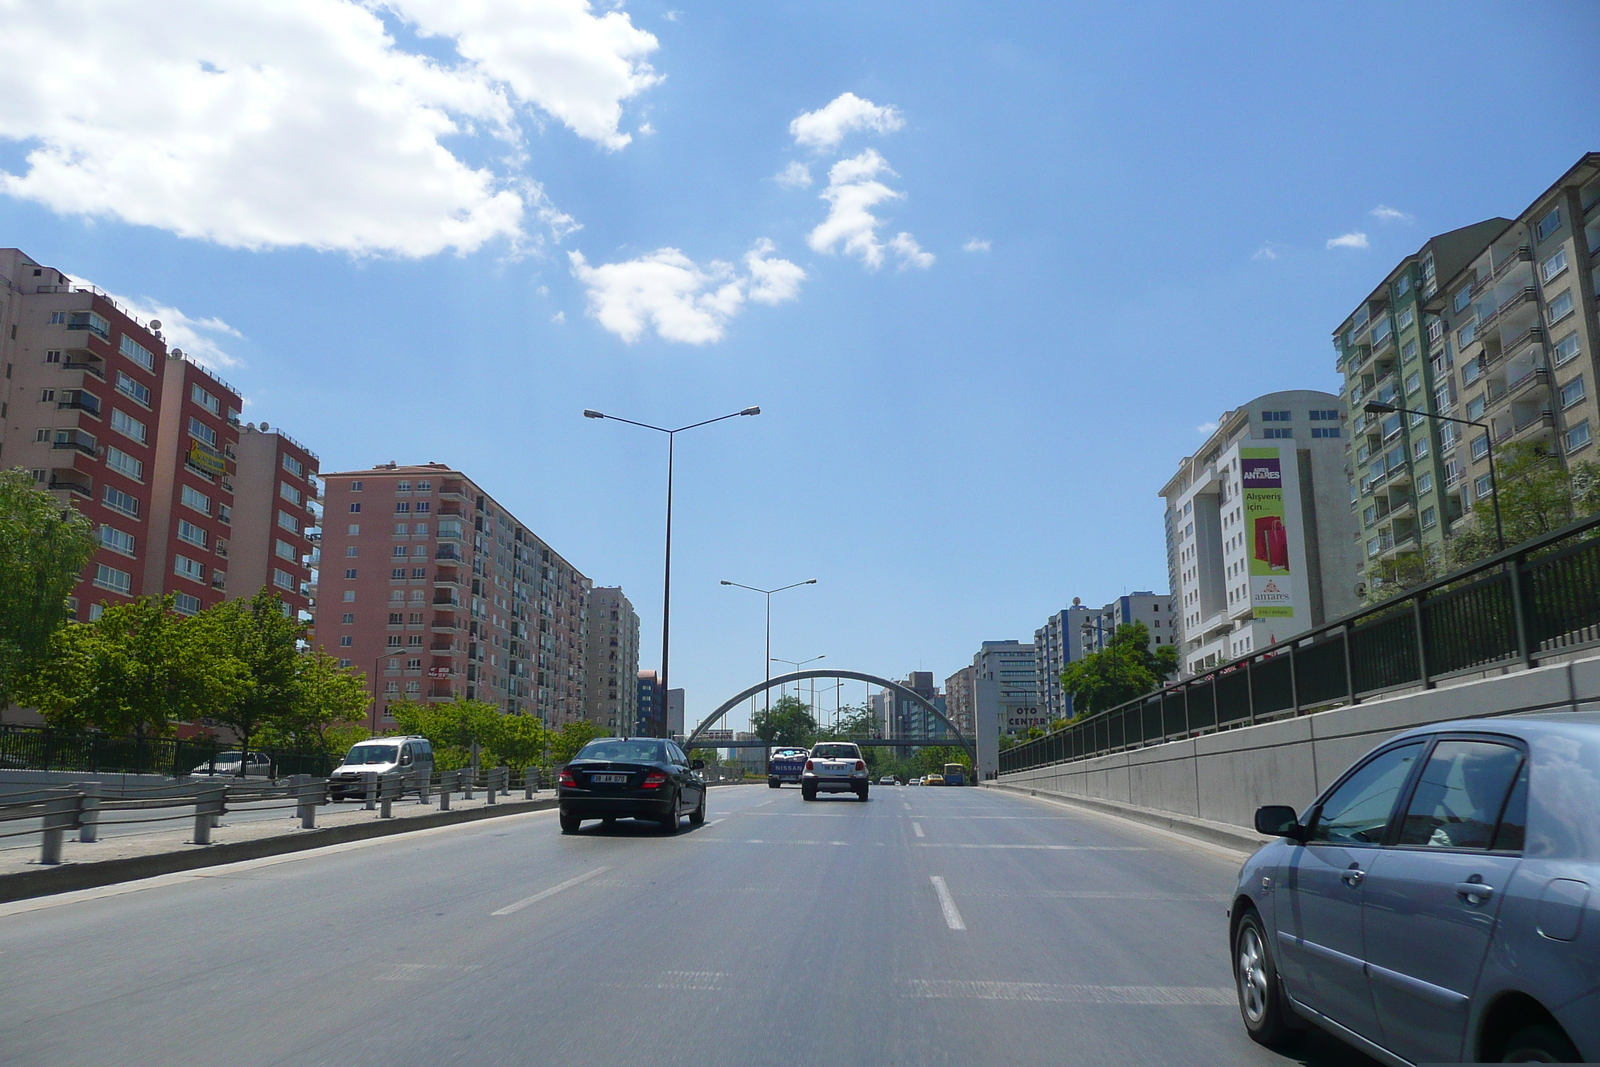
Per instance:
{"type": "Point", "coordinates": [412, 756]}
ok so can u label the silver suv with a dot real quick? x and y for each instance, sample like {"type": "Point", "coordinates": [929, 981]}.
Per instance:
{"type": "Point", "coordinates": [1437, 903]}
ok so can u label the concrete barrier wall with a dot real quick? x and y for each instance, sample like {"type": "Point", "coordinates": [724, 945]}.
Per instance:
{"type": "Point", "coordinates": [1225, 776]}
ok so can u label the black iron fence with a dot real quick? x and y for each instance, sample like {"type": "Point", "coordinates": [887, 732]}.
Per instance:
{"type": "Point", "coordinates": [1535, 600]}
{"type": "Point", "coordinates": [42, 748]}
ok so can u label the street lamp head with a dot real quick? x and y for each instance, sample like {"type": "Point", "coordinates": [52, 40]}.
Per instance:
{"type": "Point", "coordinates": [591, 413]}
{"type": "Point", "coordinates": [726, 582]}
{"type": "Point", "coordinates": [811, 581]}
{"type": "Point", "coordinates": [1378, 407]}
{"type": "Point", "coordinates": [751, 411]}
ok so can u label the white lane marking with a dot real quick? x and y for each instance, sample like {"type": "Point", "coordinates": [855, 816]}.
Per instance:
{"type": "Point", "coordinates": [552, 891]}
{"type": "Point", "coordinates": [763, 804]}
{"type": "Point", "coordinates": [1047, 993]}
{"type": "Point", "coordinates": [1048, 848]}
{"type": "Point", "coordinates": [917, 829]}
{"type": "Point", "coordinates": [714, 822]}
{"type": "Point", "coordinates": [906, 806]}
{"type": "Point", "coordinates": [947, 903]}
{"type": "Point", "coordinates": [1091, 895]}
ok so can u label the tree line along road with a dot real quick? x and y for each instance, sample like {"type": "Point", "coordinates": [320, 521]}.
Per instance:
{"type": "Point", "coordinates": [955, 926]}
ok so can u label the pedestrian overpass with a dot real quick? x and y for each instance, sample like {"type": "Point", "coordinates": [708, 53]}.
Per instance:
{"type": "Point", "coordinates": [957, 738]}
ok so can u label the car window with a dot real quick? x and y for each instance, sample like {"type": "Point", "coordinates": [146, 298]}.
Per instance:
{"type": "Point", "coordinates": [1357, 812]}
{"type": "Point", "coordinates": [1513, 828]}
{"type": "Point", "coordinates": [1459, 795]}
{"type": "Point", "coordinates": [836, 752]}
{"type": "Point", "coordinates": [622, 751]}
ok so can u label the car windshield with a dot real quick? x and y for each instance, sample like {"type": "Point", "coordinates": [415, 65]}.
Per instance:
{"type": "Point", "coordinates": [372, 754]}
{"type": "Point", "coordinates": [623, 751]}
{"type": "Point", "coordinates": [227, 757]}
{"type": "Point", "coordinates": [836, 752]}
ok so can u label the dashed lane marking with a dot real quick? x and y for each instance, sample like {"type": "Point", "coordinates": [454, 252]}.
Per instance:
{"type": "Point", "coordinates": [916, 828]}
{"type": "Point", "coordinates": [714, 822]}
{"type": "Point", "coordinates": [552, 891]}
{"type": "Point", "coordinates": [947, 904]}
{"type": "Point", "coordinates": [1048, 993]}
{"type": "Point", "coordinates": [1047, 848]}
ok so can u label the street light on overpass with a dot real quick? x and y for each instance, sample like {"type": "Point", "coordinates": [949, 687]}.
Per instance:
{"type": "Point", "coordinates": [768, 594]}
{"type": "Point", "coordinates": [797, 664]}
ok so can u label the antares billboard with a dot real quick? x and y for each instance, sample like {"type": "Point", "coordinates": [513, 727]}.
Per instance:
{"type": "Point", "coordinates": [1261, 476]}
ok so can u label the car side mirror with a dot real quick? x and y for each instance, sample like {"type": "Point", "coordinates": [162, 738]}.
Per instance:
{"type": "Point", "coordinates": [1279, 820]}
{"type": "Point", "coordinates": [697, 765]}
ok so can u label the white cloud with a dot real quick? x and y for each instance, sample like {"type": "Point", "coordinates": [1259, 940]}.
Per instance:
{"type": "Point", "coordinates": [911, 254]}
{"type": "Point", "coordinates": [824, 128]}
{"type": "Point", "coordinates": [559, 318]}
{"type": "Point", "coordinates": [200, 339]}
{"type": "Point", "coordinates": [1267, 251]}
{"type": "Point", "coordinates": [1349, 240]}
{"type": "Point", "coordinates": [795, 176]}
{"type": "Point", "coordinates": [678, 298]}
{"type": "Point", "coordinates": [976, 244]}
{"type": "Point", "coordinates": [1384, 213]}
{"type": "Point", "coordinates": [672, 16]}
{"type": "Point", "coordinates": [303, 122]}
{"type": "Point", "coordinates": [853, 191]}
{"type": "Point", "coordinates": [1206, 428]}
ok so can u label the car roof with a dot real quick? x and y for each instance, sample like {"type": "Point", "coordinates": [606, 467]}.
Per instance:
{"type": "Point", "coordinates": [1526, 725]}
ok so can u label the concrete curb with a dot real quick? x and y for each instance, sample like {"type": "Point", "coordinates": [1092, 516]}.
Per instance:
{"type": "Point", "coordinates": [1215, 833]}
{"type": "Point", "coordinates": [70, 876]}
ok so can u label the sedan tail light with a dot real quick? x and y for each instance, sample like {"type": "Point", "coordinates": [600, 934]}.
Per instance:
{"type": "Point", "coordinates": [861, 765]}
{"type": "Point", "coordinates": [809, 766]}
{"type": "Point", "coordinates": [567, 778]}
{"type": "Point", "coordinates": [653, 780]}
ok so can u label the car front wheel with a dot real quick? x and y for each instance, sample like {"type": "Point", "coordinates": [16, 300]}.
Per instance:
{"type": "Point", "coordinates": [570, 823]}
{"type": "Point", "coordinates": [808, 793]}
{"type": "Point", "coordinates": [697, 817]}
{"type": "Point", "coordinates": [1255, 977]}
{"type": "Point", "coordinates": [1540, 1043]}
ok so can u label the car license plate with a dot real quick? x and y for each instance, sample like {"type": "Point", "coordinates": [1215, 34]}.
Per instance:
{"type": "Point", "coordinates": [608, 779]}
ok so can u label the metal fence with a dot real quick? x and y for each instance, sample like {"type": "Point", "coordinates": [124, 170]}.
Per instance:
{"type": "Point", "coordinates": [1532, 601]}
{"type": "Point", "coordinates": [43, 748]}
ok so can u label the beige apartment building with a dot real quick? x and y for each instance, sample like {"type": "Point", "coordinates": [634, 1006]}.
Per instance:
{"type": "Point", "coordinates": [437, 591]}
{"type": "Point", "coordinates": [275, 521]}
{"type": "Point", "coordinates": [611, 688]}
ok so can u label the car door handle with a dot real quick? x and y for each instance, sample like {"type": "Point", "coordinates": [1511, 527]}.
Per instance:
{"type": "Point", "coordinates": [1353, 877]}
{"type": "Point", "coordinates": [1474, 892]}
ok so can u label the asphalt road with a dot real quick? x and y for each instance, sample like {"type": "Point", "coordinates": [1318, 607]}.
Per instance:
{"type": "Point", "coordinates": [158, 821]}
{"type": "Point", "coordinates": [927, 926]}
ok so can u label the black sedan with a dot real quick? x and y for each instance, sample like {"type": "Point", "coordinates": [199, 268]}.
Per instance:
{"type": "Point", "coordinates": [639, 777]}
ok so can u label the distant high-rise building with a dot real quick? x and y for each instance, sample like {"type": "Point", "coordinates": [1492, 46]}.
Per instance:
{"type": "Point", "coordinates": [905, 718]}
{"type": "Point", "coordinates": [611, 690]}
{"type": "Point", "coordinates": [1260, 540]}
{"type": "Point", "coordinates": [675, 712]}
{"type": "Point", "coordinates": [651, 719]}
{"type": "Point", "coordinates": [275, 521]}
{"type": "Point", "coordinates": [431, 586]}
{"type": "Point", "coordinates": [1005, 675]}
{"type": "Point", "coordinates": [961, 699]}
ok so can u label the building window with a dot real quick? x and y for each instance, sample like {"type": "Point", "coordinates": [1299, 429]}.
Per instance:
{"type": "Point", "coordinates": [423, 507]}
{"type": "Point", "coordinates": [1560, 307]}
{"type": "Point", "coordinates": [402, 487]}
{"type": "Point", "coordinates": [399, 552]}
{"type": "Point", "coordinates": [1548, 225]}
{"type": "Point", "coordinates": [1406, 317]}
{"type": "Point", "coordinates": [425, 487]}
{"type": "Point", "coordinates": [1413, 382]}
{"type": "Point", "coordinates": [284, 550]}
{"type": "Point", "coordinates": [1277, 432]}
{"type": "Point", "coordinates": [1323, 431]}
{"type": "Point", "coordinates": [402, 507]}
{"type": "Point", "coordinates": [1430, 518]}
{"type": "Point", "coordinates": [282, 579]}
{"type": "Point", "coordinates": [201, 431]}
{"type": "Point", "coordinates": [355, 509]}
{"type": "Point", "coordinates": [1577, 437]}
{"type": "Point", "coordinates": [346, 641]}
{"type": "Point", "coordinates": [1419, 447]}
{"type": "Point", "coordinates": [420, 530]}
{"type": "Point", "coordinates": [348, 618]}
{"type": "Point", "coordinates": [205, 400]}
{"type": "Point", "coordinates": [350, 572]}
{"type": "Point", "coordinates": [1408, 351]}
{"type": "Point", "coordinates": [124, 464]}
{"type": "Point", "coordinates": [193, 569]}
{"type": "Point", "coordinates": [1554, 265]}
{"type": "Point", "coordinates": [288, 522]}
{"type": "Point", "coordinates": [186, 604]}
{"type": "Point", "coordinates": [1462, 299]}
{"type": "Point", "coordinates": [293, 466]}
{"type": "Point", "coordinates": [188, 531]}
{"type": "Point", "coordinates": [354, 529]}
{"type": "Point", "coordinates": [1475, 408]}
{"type": "Point", "coordinates": [1566, 348]}
{"type": "Point", "coordinates": [398, 574]}
{"type": "Point", "coordinates": [136, 352]}
{"type": "Point", "coordinates": [352, 551]}
{"type": "Point", "coordinates": [419, 572]}
{"type": "Point", "coordinates": [1424, 483]}
{"type": "Point", "coordinates": [1274, 416]}
{"type": "Point", "coordinates": [1572, 392]}
{"type": "Point", "coordinates": [1466, 335]}
{"type": "Point", "coordinates": [128, 426]}
{"type": "Point", "coordinates": [225, 513]}
{"type": "Point", "coordinates": [349, 596]}
{"type": "Point", "coordinates": [116, 540]}
{"type": "Point", "coordinates": [1329, 415]}
{"type": "Point", "coordinates": [135, 391]}
{"type": "Point", "coordinates": [117, 500]}
{"type": "Point", "coordinates": [289, 492]}
{"type": "Point", "coordinates": [193, 498]}
{"type": "Point", "coordinates": [1480, 446]}
{"type": "Point", "coordinates": [1435, 330]}
{"type": "Point", "coordinates": [113, 579]}
{"type": "Point", "coordinates": [355, 487]}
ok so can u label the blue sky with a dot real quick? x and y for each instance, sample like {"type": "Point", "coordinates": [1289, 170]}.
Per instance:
{"type": "Point", "coordinates": [953, 448]}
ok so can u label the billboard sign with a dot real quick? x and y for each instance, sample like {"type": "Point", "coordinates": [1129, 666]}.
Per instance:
{"type": "Point", "coordinates": [1261, 476]}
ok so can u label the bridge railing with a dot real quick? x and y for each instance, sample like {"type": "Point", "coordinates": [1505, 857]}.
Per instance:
{"type": "Point", "coordinates": [1534, 601]}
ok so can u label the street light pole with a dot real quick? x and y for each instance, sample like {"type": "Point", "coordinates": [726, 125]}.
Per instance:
{"type": "Point", "coordinates": [768, 594]}
{"type": "Point", "coordinates": [1378, 407]}
{"type": "Point", "coordinates": [666, 583]}
{"type": "Point", "coordinates": [797, 664]}
{"type": "Point", "coordinates": [375, 663]}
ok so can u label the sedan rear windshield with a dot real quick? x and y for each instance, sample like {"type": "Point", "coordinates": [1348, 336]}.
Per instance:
{"type": "Point", "coordinates": [836, 752]}
{"type": "Point", "coordinates": [372, 754]}
{"type": "Point", "coordinates": [624, 751]}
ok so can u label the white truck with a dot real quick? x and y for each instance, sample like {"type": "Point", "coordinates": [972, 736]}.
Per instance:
{"type": "Point", "coordinates": [834, 767]}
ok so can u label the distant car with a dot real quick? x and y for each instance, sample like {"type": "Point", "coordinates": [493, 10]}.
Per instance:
{"type": "Point", "coordinates": [887, 779]}
{"type": "Point", "coordinates": [913, 781]}
{"type": "Point", "coordinates": [257, 765]}
{"type": "Point", "coordinates": [641, 778]}
{"type": "Point", "coordinates": [933, 779]}
{"type": "Point", "coordinates": [1438, 902]}
{"type": "Point", "coordinates": [412, 756]}
{"type": "Point", "coordinates": [835, 767]}
{"type": "Point", "coordinates": [786, 765]}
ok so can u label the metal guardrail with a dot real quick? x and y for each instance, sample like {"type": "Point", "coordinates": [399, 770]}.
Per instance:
{"type": "Point", "coordinates": [1535, 600]}
{"type": "Point", "coordinates": [59, 809]}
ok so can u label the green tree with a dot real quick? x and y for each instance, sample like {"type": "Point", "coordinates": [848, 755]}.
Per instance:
{"type": "Point", "coordinates": [570, 738]}
{"type": "Point", "coordinates": [855, 723]}
{"type": "Point", "coordinates": [137, 669]}
{"type": "Point", "coordinates": [520, 741]}
{"type": "Point", "coordinates": [452, 728]}
{"type": "Point", "coordinates": [932, 760]}
{"type": "Point", "coordinates": [265, 637]}
{"type": "Point", "coordinates": [43, 547]}
{"type": "Point", "coordinates": [1123, 670]}
{"type": "Point", "coordinates": [1537, 496]}
{"type": "Point", "coordinates": [788, 723]}
{"type": "Point", "coordinates": [325, 710]}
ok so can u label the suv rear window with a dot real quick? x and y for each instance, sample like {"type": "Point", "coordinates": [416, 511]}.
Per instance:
{"type": "Point", "coordinates": [836, 752]}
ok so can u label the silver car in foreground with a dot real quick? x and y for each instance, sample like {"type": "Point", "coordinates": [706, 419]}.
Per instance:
{"type": "Point", "coordinates": [1438, 902]}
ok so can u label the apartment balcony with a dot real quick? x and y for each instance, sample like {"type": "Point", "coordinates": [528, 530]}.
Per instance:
{"type": "Point", "coordinates": [1530, 425]}
{"type": "Point", "coordinates": [77, 400]}
{"type": "Point", "coordinates": [1512, 342]}
{"type": "Point", "coordinates": [452, 490]}
{"type": "Point", "coordinates": [442, 693]}
{"type": "Point", "coordinates": [448, 554]}
{"type": "Point", "coordinates": [447, 578]}
{"type": "Point", "coordinates": [1507, 261]}
{"type": "Point", "coordinates": [446, 599]}
{"type": "Point", "coordinates": [87, 362]}
{"type": "Point", "coordinates": [447, 624]}
{"type": "Point", "coordinates": [1523, 296]}
{"type": "Point", "coordinates": [450, 509]}
{"type": "Point", "coordinates": [75, 440]}
{"type": "Point", "coordinates": [72, 482]}
{"type": "Point", "coordinates": [1400, 544]}
{"type": "Point", "coordinates": [1530, 380]}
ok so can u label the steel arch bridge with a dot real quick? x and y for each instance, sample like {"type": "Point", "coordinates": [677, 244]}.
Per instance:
{"type": "Point", "coordinates": [960, 739]}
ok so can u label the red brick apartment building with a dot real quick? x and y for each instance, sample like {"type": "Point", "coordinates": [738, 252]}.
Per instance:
{"type": "Point", "coordinates": [146, 444]}
{"type": "Point", "coordinates": [436, 591]}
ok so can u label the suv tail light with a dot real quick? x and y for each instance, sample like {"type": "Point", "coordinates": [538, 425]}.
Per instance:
{"type": "Point", "coordinates": [861, 765]}
{"type": "Point", "coordinates": [809, 766]}
{"type": "Point", "coordinates": [567, 778]}
{"type": "Point", "coordinates": [653, 780]}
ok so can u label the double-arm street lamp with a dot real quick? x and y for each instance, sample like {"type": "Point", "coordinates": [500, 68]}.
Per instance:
{"type": "Point", "coordinates": [1378, 407]}
{"type": "Point", "coordinates": [666, 583]}
{"type": "Point", "coordinates": [797, 664]}
{"type": "Point", "coordinates": [768, 594]}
